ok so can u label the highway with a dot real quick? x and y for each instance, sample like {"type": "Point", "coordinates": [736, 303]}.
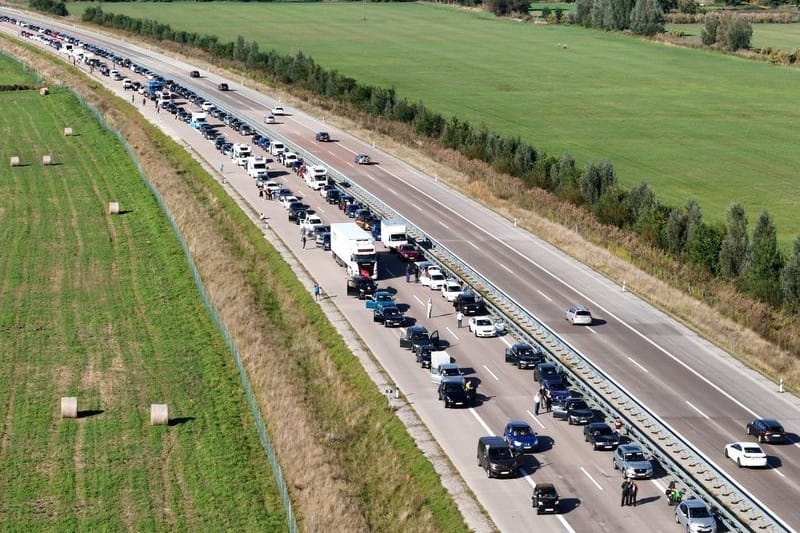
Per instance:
{"type": "Point", "coordinates": [695, 387]}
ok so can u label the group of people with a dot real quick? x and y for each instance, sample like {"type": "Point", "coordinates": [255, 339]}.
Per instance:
{"type": "Point", "coordinates": [412, 270]}
{"type": "Point", "coordinates": [543, 400]}
{"type": "Point", "coordinates": [265, 193]}
{"type": "Point", "coordinates": [629, 491]}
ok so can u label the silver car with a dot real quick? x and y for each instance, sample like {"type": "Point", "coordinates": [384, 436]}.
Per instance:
{"type": "Point", "coordinates": [695, 515]}
{"type": "Point", "coordinates": [632, 461]}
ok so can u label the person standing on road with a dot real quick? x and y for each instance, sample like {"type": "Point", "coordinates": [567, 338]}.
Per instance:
{"type": "Point", "coordinates": [633, 491]}
{"type": "Point", "coordinates": [536, 401]}
{"type": "Point", "coordinates": [303, 239]}
{"type": "Point", "coordinates": [316, 292]}
{"type": "Point", "coordinates": [430, 307]}
{"type": "Point", "coordinates": [459, 319]}
{"type": "Point", "coordinates": [548, 403]}
{"type": "Point", "coordinates": [416, 274]}
{"type": "Point", "coordinates": [626, 489]}
{"type": "Point", "coordinates": [408, 272]}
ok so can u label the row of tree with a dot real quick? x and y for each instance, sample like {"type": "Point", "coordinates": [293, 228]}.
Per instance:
{"type": "Point", "coordinates": [643, 17]}
{"type": "Point", "coordinates": [54, 7]}
{"type": "Point", "coordinates": [726, 30]}
{"type": "Point", "coordinates": [757, 268]}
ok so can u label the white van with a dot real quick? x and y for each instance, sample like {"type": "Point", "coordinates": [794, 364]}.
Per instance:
{"type": "Point", "coordinates": [276, 147]}
{"type": "Point", "coordinates": [241, 152]}
{"type": "Point", "coordinates": [257, 167]}
{"type": "Point", "coordinates": [316, 176]}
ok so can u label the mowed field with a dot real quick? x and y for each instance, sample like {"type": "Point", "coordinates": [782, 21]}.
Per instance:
{"type": "Point", "coordinates": [781, 36]}
{"type": "Point", "coordinates": [694, 124]}
{"type": "Point", "coordinates": [104, 308]}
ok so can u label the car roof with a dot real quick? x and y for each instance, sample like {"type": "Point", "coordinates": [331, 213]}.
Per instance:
{"type": "Point", "coordinates": [417, 329]}
{"type": "Point", "coordinates": [493, 441]}
{"type": "Point", "coordinates": [597, 425]}
{"type": "Point", "coordinates": [545, 486]}
{"type": "Point", "coordinates": [518, 424]}
{"type": "Point", "coordinates": [745, 443]}
{"type": "Point", "coordinates": [629, 448]}
{"type": "Point", "coordinates": [768, 421]}
{"type": "Point", "coordinates": [695, 502]}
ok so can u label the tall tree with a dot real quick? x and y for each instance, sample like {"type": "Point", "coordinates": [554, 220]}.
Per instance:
{"type": "Point", "coordinates": [735, 249]}
{"type": "Point", "coordinates": [704, 246]}
{"type": "Point", "coordinates": [596, 179]}
{"type": "Point", "coordinates": [766, 262]}
{"type": "Point", "coordinates": [647, 18]}
{"type": "Point", "coordinates": [790, 277]}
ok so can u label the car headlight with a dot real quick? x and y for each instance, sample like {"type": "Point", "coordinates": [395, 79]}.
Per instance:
{"type": "Point", "coordinates": [517, 443]}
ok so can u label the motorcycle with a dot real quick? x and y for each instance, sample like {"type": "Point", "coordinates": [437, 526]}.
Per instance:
{"type": "Point", "coordinates": [674, 496]}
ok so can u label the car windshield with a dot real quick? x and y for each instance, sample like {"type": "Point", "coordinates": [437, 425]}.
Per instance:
{"type": "Point", "coordinates": [437, 276]}
{"type": "Point", "coordinates": [582, 313]}
{"type": "Point", "coordinates": [483, 322]}
{"type": "Point", "coordinates": [579, 405]}
{"type": "Point", "coordinates": [636, 456]}
{"type": "Point", "coordinates": [451, 372]}
{"type": "Point", "coordinates": [777, 428]}
{"type": "Point", "coordinates": [451, 387]}
{"type": "Point", "coordinates": [753, 449]}
{"type": "Point", "coordinates": [390, 311]}
{"type": "Point", "coordinates": [522, 432]}
{"type": "Point", "coordinates": [547, 492]}
{"type": "Point", "coordinates": [383, 297]}
{"type": "Point", "coordinates": [499, 453]}
{"type": "Point", "coordinates": [524, 350]}
{"type": "Point", "coordinates": [602, 430]}
{"type": "Point", "coordinates": [556, 386]}
{"type": "Point", "coordinates": [699, 512]}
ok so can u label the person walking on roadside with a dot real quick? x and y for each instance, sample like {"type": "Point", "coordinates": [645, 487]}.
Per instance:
{"type": "Point", "coordinates": [536, 401]}
{"type": "Point", "coordinates": [459, 319]}
{"type": "Point", "coordinates": [626, 488]}
{"type": "Point", "coordinates": [416, 274]}
{"type": "Point", "coordinates": [316, 292]}
{"type": "Point", "coordinates": [303, 239]}
{"type": "Point", "coordinates": [408, 272]}
{"type": "Point", "coordinates": [430, 307]}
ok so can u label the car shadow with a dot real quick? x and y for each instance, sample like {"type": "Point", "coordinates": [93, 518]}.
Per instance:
{"type": "Point", "coordinates": [648, 499]}
{"type": "Point", "coordinates": [774, 462]}
{"type": "Point", "coordinates": [480, 399]}
{"type": "Point", "coordinates": [598, 322]}
{"type": "Point", "coordinates": [530, 464]}
{"type": "Point", "coordinates": [403, 307]}
{"type": "Point", "coordinates": [467, 371]}
{"type": "Point", "coordinates": [567, 505]}
{"type": "Point", "coordinates": [792, 438]}
{"type": "Point", "coordinates": [545, 443]}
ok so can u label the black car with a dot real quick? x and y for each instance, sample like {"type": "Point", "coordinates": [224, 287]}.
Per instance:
{"type": "Point", "coordinates": [573, 410]}
{"type": "Point", "coordinates": [361, 286]}
{"type": "Point", "coordinates": [453, 394]}
{"type": "Point", "coordinates": [415, 336]}
{"type": "Point", "coordinates": [244, 129]}
{"type": "Point", "coordinates": [524, 355]}
{"type": "Point", "coordinates": [219, 141]}
{"type": "Point", "coordinates": [766, 430]}
{"type": "Point", "coordinates": [351, 209]}
{"type": "Point", "coordinates": [424, 356]}
{"type": "Point", "coordinates": [469, 303]}
{"type": "Point", "coordinates": [297, 211]}
{"type": "Point", "coordinates": [545, 498]}
{"type": "Point", "coordinates": [390, 315]}
{"type": "Point", "coordinates": [496, 458]}
{"type": "Point", "coordinates": [345, 200]}
{"type": "Point", "coordinates": [222, 86]}
{"type": "Point", "coordinates": [600, 435]}
{"type": "Point", "coordinates": [322, 136]}
{"type": "Point", "coordinates": [194, 74]}
{"type": "Point", "coordinates": [544, 370]}
{"type": "Point", "coordinates": [332, 196]}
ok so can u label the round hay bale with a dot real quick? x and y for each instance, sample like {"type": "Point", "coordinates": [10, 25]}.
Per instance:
{"type": "Point", "coordinates": [44, 91]}
{"type": "Point", "coordinates": [67, 132]}
{"type": "Point", "coordinates": [69, 407]}
{"type": "Point", "coordinates": [113, 208]}
{"type": "Point", "coordinates": [159, 414]}
{"type": "Point", "coordinates": [15, 161]}
{"type": "Point", "coordinates": [46, 160]}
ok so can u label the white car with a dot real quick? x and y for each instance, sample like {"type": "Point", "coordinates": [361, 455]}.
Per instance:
{"type": "Point", "coordinates": [207, 106]}
{"type": "Point", "coordinates": [432, 277]}
{"type": "Point", "coordinates": [747, 454]}
{"type": "Point", "coordinates": [450, 289]}
{"type": "Point", "coordinates": [310, 223]}
{"type": "Point", "coordinates": [289, 158]}
{"type": "Point", "coordinates": [578, 315]}
{"type": "Point", "coordinates": [278, 110]}
{"type": "Point", "coordinates": [696, 516]}
{"type": "Point", "coordinates": [482, 326]}
{"type": "Point", "coordinates": [272, 186]}
{"type": "Point", "coordinates": [287, 201]}
{"type": "Point", "coordinates": [269, 119]}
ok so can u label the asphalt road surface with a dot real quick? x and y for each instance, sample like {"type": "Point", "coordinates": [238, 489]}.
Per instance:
{"type": "Point", "coordinates": [695, 387]}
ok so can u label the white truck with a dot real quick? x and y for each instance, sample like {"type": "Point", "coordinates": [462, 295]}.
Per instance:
{"type": "Point", "coordinates": [198, 119]}
{"type": "Point", "coordinates": [316, 176]}
{"type": "Point", "coordinates": [276, 147]}
{"type": "Point", "coordinates": [257, 167]}
{"type": "Point", "coordinates": [393, 233]}
{"type": "Point", "coordinates": [241, 152]}
{"type": "Point", "coordinates": [353, 248]}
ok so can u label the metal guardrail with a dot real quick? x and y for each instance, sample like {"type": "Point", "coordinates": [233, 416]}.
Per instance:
{"type": "Point", "coordinates": [734, 505]}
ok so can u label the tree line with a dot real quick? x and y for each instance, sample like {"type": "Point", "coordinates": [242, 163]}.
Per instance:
{"type": "Point", "coordinates": [756, 265]}
{"type": "Point", "coordinates": [53, 7]}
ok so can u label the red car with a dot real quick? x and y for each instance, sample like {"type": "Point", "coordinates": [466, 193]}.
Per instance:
{"type": "Point", "coordinates": [409, 252]}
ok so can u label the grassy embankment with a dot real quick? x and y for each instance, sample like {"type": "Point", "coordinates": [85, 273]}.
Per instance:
{"type": "Point", "coordinates": [691, 123]}
{"type": "Point", "coordinates": [104, 308]}
{"type": "Point", "coordinates": [349, 462]}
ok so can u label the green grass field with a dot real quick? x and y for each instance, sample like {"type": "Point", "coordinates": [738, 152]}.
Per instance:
{"type": "Point", "coordinates": [12, 73]}
{"type": "Point", "coordinates": [783, 36]}
{"type": "Point", "coordinates": [104, 308]}
{"type": "Point", "coordinates": [694, 124]}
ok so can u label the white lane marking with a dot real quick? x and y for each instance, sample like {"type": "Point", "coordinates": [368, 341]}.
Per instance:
{"type": "Point", "coordinates": [443, 224]}
{"type": "Point", "coordinates": [596, 484]}
{"type": "Point", "coordinates": [332, 153]}
{"type": "Point", "coordinates": [778, 472]}
{"type": "Point", "coordinates": [698, 410]}
{"type": "Point", "coordinates": [546, 297]}
{"type": "Point", "coordinates": [492, 373]}
{"type": "Point", "coordinates": [583, 296]}
{"type": "Point", "coordinates": [417, 299]}
{"type": "Point", "coordinates": [415, 206]}
{"type": "Point", "coordinates": [591, 330]}
{"type": "Point", "coordinates": [371, 177]}
{"type": "Point", "coordinates": [320, 210]}
{"type": "Point", "coordinates": [506, 268]}
{"type": "Point", "coordinates": [480, 421]}
{"type": "Point", "coordinates": [535, 419]}
{"type": "Point", "coordinates": [507, 343]}
{"type": "Point", "coordinates": [451, 333]}
{"type": "Point", "coordinates": [391, 274]}
{"type": "Point", "coordinates": [797, 444]}
{"type": "Point", "coordinates": [659, 486]}
{"type": "Point", "coordinates": [637, 364]}
{"type": "Point", "coordinates": [530, 480]}
{"type": "Point", "coordinates": [565, 523]}
{"type": "Point", "coordinates": [473, 245]}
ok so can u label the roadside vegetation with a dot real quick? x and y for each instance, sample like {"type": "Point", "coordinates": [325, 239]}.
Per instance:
{"type": "Point", "coordinates": [761, 289]}
{"type": "Point", "coordinates": [349, 463]}
{"type": "Point", "coordinates": [104, 308]}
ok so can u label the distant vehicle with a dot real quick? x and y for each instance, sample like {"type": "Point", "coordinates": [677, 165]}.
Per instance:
{"type": "Point", "coordinates": [600, 435]}
{"type": "Point", "coordinates": [278, 110]}
{"type": "Point", "coordinates": [544, 370]}
{"type": "Point", "coordinates": [578, 315]}
{"type": "Point", "coordinates": [746, 454]}
{"type": "Point", "coordinates": [297, 211]}
{"type": "Point", "coordinates": [361, 286]}
{"type": "Point", "coordinates": [495, 457]}
{"type": "Point", "coordinates": [524, 355]}
{"type": "Point", "coordinates": [451, 289]}
{"type": "Point", "coordinates": [430, 275]}
{"type": "Point", "coordinates": [453, 394]}
{"type": "Point", "coordinates": [545, 498]}
{"type": "Point", "coordinates": [362, 159]}
{"type": "Point", "coordinates": [695, 515]}
{"type": "Point", "coordinates": [269, 119]}
{"type": "Point", "coordinates": [222, 87]}
{"type": "Point", "coordinates": [322, 137]}
{"type": "Point", "coordinates": [389, 315]}
{"type": "Point", "coordinates": [632, 461]}
{"type": "Point", "coordinates": [469, 303]}
{"type": "Point", "coordinates": [332, 196]}
{"type": "Point", "coordinates": [573, 410]}
{"type": "Point", "coordinates": [520, 437]}
{"type": "Point", "coordinates": [194, 74]}
{"type": "Point", "coordinates": [424, 357]}
{"type": "Point", "coordinates": [379, 298]}
{"type": "Point", "coordinates": [766, 430]}
{"type": "Point", "coordinates": [309, 223]}
{"type": "Point", "coordinates": [482, 326]}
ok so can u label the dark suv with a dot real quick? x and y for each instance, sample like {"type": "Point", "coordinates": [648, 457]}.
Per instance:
{"type": "Point", "coordinates": [469, 303]}
{"type": "Point", "coordinates": [543, 371]}
{"type": "Point", "coordinates": [361, 286]}
{"type": "Point", "coordinates": [495, 457]}
{"type": "Point", "coordinates": [417, 338]}
{"type": "Point", "coordinates": [524, 355]}
{"type": "Point", "coordinates": [766, 430]}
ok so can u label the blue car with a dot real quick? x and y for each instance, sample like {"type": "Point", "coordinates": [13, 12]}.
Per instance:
{"type": "Point", "coordinates": [379, 299]}
{"type": "Point", "coordinates": [520, 437]}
